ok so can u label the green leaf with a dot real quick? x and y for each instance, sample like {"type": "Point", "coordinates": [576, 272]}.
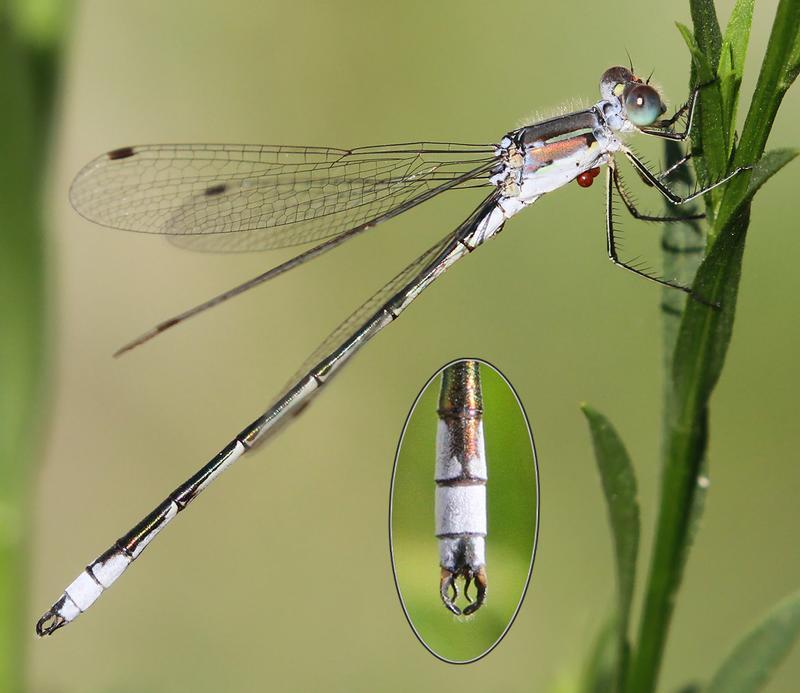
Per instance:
{"type": "Point", "coordinates": [601, 666]}
{"type": "Point", "coordinates": [769, 164]}
{"type": "Point", "coordinates": [40, 23]}
{"type": "Point", "coordinates": [737, 36]}
{"type": "Point", "coordinates": [619, 486]}
{"type": "Point", "coordinates": [709, 135]}
{"type": "Point", "coordinates": [754, 659]}
{"type": "Point", "coordinates": [714, 129]}
{"type": "Point", "coordinates": [706, 28]}
{"type": "Point", "coordinates": [731, 62]}
{"type": "Point", "coordinates": [705, 332]}
{"type": "Point", "coordinates": [700, 60]}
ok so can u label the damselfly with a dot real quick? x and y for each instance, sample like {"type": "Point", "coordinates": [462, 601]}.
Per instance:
{"type": "Point", "coordinates": [224, 197]}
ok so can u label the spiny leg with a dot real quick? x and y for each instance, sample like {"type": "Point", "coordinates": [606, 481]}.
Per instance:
{"type": "Point", "coordinates": [611, 241]}
{"type": "Point", "coordinates": [666, 173]}
{"type": "Point", "coordinates": [654, 181]}
{"type": "Point", "coordinates": [630, 205]}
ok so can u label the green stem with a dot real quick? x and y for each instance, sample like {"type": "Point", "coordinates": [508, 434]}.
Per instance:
{"type": "Point", "coordinates": [27, 81]}
{"type": "Point", "coordinates": [666, 565]}
{"type": "Point", "coordinates": [14, 578]}
{"type": "Point", "coordinates": [20, 293]}
{"type": "Point", "coordinates": [699, 357]}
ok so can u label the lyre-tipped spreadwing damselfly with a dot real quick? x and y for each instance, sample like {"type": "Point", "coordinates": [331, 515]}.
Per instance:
{"type": "Point", "coordinates": [228, 197]}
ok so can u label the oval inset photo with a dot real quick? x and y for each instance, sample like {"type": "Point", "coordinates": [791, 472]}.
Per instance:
{"type": "Point", "coordinates": [464, 511]}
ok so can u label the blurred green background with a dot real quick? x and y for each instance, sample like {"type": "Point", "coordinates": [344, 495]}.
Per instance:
{"type": "Point", "coordinates": [511, 521]}
{"type": "Point", "coordinates": [280, 578]}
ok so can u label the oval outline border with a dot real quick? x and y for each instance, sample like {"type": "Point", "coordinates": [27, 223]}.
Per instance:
{"type": "Point", "coordinates": [535, 531]}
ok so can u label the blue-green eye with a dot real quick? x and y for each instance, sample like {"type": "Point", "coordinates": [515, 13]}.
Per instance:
{"type": "Point", "coordinates": [643, 105]}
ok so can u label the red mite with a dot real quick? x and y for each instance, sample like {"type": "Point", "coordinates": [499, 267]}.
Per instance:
{"type": "Point", "coordinates": [586, 178]}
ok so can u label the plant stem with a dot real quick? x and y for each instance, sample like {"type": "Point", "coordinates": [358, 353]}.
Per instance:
{"type": "Point", "coordinates": [673, 523]}
{"type": "Point", "coordinates": [699, 357]}
{"type": "Point", "coordinates": [27, 82]}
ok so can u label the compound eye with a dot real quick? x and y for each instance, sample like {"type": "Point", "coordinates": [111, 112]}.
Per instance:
{"type": "Point", "coordinates": [643, 105]}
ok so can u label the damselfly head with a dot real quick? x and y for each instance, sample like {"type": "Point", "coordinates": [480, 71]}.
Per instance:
{"type": "Point", "coordinates": [641, 101]}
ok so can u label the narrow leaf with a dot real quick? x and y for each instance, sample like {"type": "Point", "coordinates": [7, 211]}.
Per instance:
{"type": "Point", "coordinates": [731, 63]}
{"type": "Point", "coordinates": [699, 58]}
{"type": "Point", "coordinates": [705, 332]}
{"type": "Point", "coordinates": [601, 666]}
{"type": "Point", "coordinates": [619, 486]}
{"type": "Point", "coordinates": [754, 659]}
{"type": "Point", "coordinates": [715, 130]}
{"type": "Point", "coordinates": [769, 164]}
{"type": "Point", "coordinates": [710, 133]}
{"type": "Point", "coordinates": [737, 35]}
{"type": "Point", "coordinates": [706, 28]}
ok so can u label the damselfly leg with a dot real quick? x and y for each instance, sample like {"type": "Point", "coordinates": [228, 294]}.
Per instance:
{"type": "Point", "coordinates": [630, 205]}
{"type": "Point", "coordinates": [654, 180]}
{"type": "Point", "coordinates": [614, 183]}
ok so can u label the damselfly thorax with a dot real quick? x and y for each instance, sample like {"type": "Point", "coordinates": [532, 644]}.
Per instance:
{"type": "Point", "coordinates": [255, 197]}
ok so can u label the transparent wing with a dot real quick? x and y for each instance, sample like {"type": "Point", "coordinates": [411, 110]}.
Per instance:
{"type": "Point", "coordinates": [207, 196]}
{"type": "Point", "coordinates": [416, 272]}
{"type": "Point", "coordinates": [347, 328]}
